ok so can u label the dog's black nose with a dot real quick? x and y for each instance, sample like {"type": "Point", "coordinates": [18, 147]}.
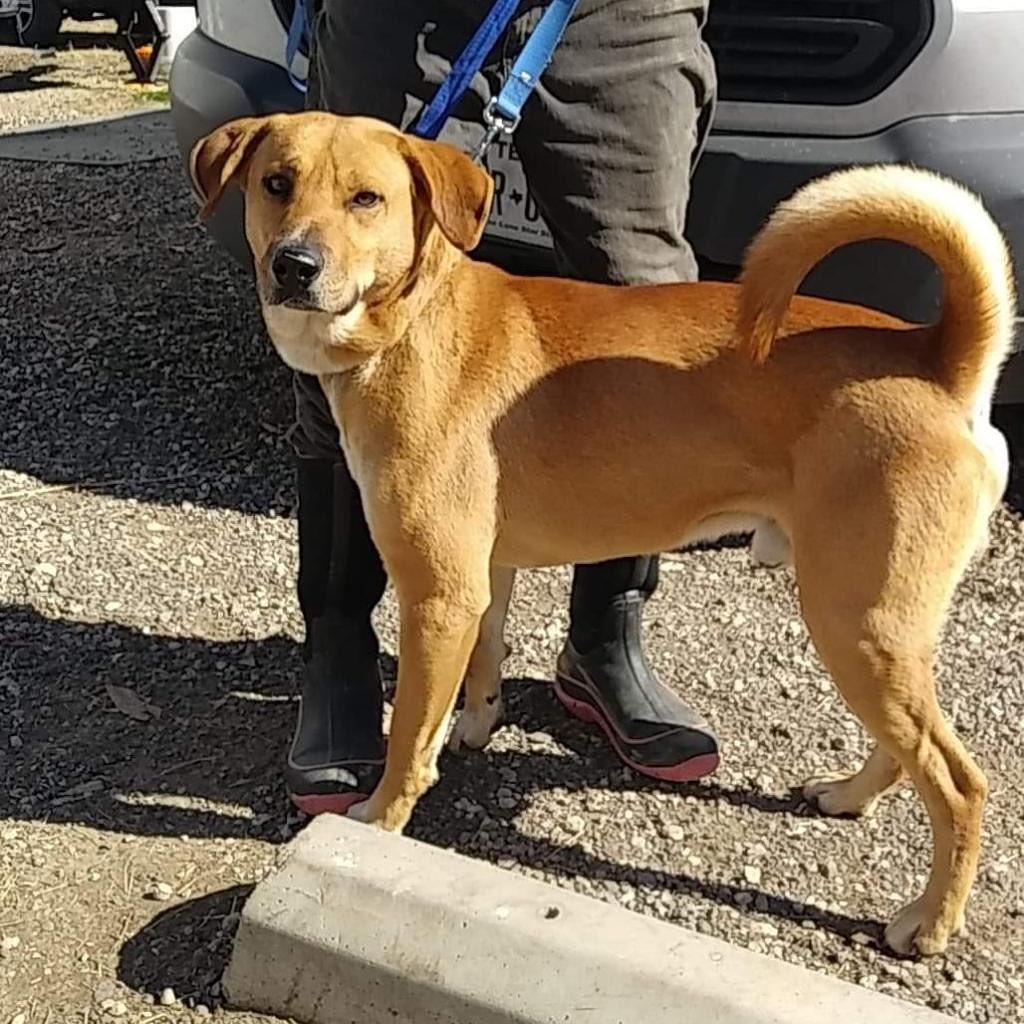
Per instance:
{"type": "Point", "coordinates": [295, 268]}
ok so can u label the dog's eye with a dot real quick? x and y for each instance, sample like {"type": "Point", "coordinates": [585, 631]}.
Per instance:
{"type": "Point", "coordinates": [366, 199]}
{"type": "Point", "coordinates": [277, 185]}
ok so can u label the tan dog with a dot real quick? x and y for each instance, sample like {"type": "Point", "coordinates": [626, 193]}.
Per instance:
{"type": "Point", "coordinates": [474, 409]}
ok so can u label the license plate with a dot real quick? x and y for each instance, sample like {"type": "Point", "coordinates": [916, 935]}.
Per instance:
{"type": "Point", "coordinates": [514, 213]}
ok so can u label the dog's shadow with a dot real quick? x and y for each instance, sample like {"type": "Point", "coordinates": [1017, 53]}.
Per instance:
{"type": "Point", "coordinates": [210, 765]}
{"type": "Point", "coordinates": [532, 707]}
{"type": "Point", "coordinates": [156, 957]}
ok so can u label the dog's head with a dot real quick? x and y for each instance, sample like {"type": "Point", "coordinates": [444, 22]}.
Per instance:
{"type": "Point", "coordinates": [339, 212]}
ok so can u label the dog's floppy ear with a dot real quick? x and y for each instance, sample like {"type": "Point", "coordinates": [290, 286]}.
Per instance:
{"type": "Point", "coordinates": [457, 190]}
{"type": "Point", "coordinates": [218, 158]}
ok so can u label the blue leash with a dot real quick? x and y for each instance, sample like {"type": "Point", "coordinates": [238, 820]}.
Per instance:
{"type": "Point", "coordinates": [434, 116]}
{"type": "Point", "coordinates": [298, 34]}
{"type": "Point", "coordinates": [503, 113]}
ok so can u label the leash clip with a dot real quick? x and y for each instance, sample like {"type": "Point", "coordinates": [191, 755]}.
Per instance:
{"type": "Point", "coordinates": [495, 124]}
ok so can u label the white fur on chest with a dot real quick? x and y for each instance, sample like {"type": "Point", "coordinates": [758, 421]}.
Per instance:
{"type": "Point", "coordinates": [313, 342]}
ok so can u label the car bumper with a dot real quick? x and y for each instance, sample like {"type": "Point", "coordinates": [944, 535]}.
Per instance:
{"type": "Point", "coordinates": [742, 177]}
{"type": "Point", "coordinates": [739, 180]}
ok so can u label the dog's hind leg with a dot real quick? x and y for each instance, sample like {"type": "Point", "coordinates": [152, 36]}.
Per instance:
{"type": "Point", "coordinates": [856, 794]}
{"type": "Point", "coordinates": [875, 583]}
{"type": "Point", "coordinates": [891, 689]}
{"type": "Point", "coordinates": [483, 708]}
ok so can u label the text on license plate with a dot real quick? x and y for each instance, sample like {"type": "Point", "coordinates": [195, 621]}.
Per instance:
{"type": "Point", "coordinates": [514, 214]}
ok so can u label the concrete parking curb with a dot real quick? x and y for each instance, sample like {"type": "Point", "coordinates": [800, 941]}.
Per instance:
{"type": "Point", "coordinates": [362, 927]}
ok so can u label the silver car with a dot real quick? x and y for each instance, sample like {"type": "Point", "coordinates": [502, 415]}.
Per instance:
{"type": "Point", "coordinates": [805, 86]}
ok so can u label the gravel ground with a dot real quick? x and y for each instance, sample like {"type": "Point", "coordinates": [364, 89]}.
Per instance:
{"type": "Point", "coordinates": [148, 655]}
{"type": "Point", "coordinates": [86, 76]}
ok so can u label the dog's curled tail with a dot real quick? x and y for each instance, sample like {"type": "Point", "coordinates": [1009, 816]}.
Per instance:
{"type": "Point", "coordinates": [901, 204]}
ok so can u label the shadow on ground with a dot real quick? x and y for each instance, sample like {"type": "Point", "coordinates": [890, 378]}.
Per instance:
{"type": "Point", "coordinates": [138, 367]}
{"type": "Point", "coordinates": [185, 948]}
{"type": "Point", "coordinates": [209, 766]}
{"type": "Point", "coordinates": [143, 370]}
{"type": "Point", "coordinates": [29, 80]}
{"type": "Point", "coordinates": [149, 377]}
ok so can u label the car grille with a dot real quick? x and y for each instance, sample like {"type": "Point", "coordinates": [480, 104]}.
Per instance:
{"type": "Point", "coordinates": [803, 51]}
{"type": "Point", "coordinates": [813, 51]}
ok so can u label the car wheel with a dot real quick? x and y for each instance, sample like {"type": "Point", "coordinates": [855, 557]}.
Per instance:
{"type": "Point", "coordinates": [37, 22]}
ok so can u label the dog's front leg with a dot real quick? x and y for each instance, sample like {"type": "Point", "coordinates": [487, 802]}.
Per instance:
{"type": "Point", "coordinates": [437, 637]}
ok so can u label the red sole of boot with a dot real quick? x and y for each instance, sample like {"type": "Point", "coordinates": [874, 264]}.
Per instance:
{"type": "Point", "coordinates": [689, 771]}
{"type": "Point", "coordinates": [326, 803]}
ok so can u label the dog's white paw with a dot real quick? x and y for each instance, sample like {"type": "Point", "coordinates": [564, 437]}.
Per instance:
{"type": "Point", "coordinates": [839, 794]}
{"type": "Point", "coordinates": [473, 729]}
{"type": "Point", "coordinates": [770, 547]}
{"type": "Point", "coordinates": [913, 932]}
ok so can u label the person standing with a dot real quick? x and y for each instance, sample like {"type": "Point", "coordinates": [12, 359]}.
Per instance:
{"type": "Point", "coordinates": [608, 143]}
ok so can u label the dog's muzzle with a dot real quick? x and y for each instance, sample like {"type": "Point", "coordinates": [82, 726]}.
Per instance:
{"type": "Point", "coordinates": [294, 270]}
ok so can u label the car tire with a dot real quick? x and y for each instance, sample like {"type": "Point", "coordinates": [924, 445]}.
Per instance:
{"type": "Point", "coordinates": [39, 24]}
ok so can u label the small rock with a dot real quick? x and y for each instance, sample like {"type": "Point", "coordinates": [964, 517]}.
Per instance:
{"type": "Point", "coordinates": [743, 899]}
{"type": "Point", "coordinates": [202, 1010]}
{"type": "Point", "coordinates": [861, 939]}
{"type": "Point", "coordinates": [47, 569]}
{"type": "Point", "coordinates": [752, 874]}
{"type": "Point", "coordinates": [18, 1018]}
{"type": "Point", "coordinates": [16, 742]}
{"type": "Point", "coordinates": [9, 944]}
{"type": "Point", "coordinates": [167, 997]}
{"type": "Point", "coordinates": [761, 903]}
{"type": "Point", "coordinates": [117, 1008]}
{"type": "Point", "coordinates": [230, 921]}
{"type": "Point", "coordinates": [575, 823]}
{"type": "Point", "coordinates": [161, 892]}
{"type": "Point", "coordinates": [674, 832]}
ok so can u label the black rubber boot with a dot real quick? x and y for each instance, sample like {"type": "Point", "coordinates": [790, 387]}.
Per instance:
{"type": "Point", "coordinates": [337, 753]}
{"type": "Point", "coordinates": [603, 676]}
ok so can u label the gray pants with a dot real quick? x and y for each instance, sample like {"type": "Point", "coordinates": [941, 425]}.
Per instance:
{"type": "Point", "coordinates": [607, 142]}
